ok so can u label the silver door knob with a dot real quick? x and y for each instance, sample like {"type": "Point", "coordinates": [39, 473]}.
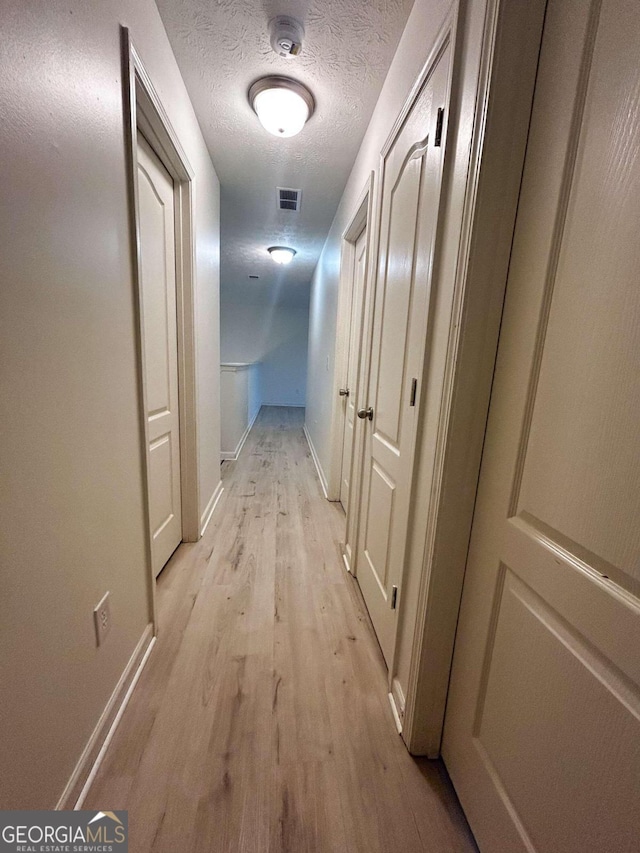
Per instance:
{"type": "Point", "coordinates": [366, 413]}
{"type": "Point", "coordinates": [344, 392]}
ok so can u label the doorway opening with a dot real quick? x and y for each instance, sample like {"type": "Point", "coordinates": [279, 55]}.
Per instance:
{"type": "Point", "coordinates": [160, 175]}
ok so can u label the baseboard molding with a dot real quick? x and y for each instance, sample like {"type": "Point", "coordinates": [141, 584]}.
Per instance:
{"type": "Point", "coordinates": [286, 405]}
{"type": "Point", "coordinates": [396, 715]}
{"type": "Point", "coordinates": [86, 768]}
{"type": "Point", "coordinates": [316, 462]}
{"type": "Point", "coordinates": [210, 509]}
{"type": "Point", "coordinates": [232, 455]}
{"type": "Point", "coordinates": [346, 557]}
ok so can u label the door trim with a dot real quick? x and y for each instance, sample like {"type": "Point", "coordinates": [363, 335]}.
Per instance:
{"type": "Point", "coordinates": [360, 219]}
{"type": "Point", "coordinates": [144, 112]}
{"type": "Point", "coordinates": [446, 480]}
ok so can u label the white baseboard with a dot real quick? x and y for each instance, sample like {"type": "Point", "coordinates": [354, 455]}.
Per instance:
{"type": "Point", "coordinates": [287, 405]}
{"type": "Point", "coordinates": [210, 508]}
{"type": "Point", "coordinates": [85, 770]}
{"type": "Point", "coordinates": [396, 715]}
{"type": "Point", "coordinates": [396, 697]}
{"type": "Point", "coordinates": [346, 557]}
{"type": "Point", "coordinates": [316, 461]}
{"type": "Point", "coordinates": [233, 454]}
{"type": "Point", "coordinates": [113, 727]}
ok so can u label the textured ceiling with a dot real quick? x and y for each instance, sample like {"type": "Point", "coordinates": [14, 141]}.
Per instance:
{"type": "Point", "coordinates": [222, 46]}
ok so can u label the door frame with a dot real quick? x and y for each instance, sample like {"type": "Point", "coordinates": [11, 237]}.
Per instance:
{"type": "Point", "coordinates": [446, 477]}
{"type": "Point", "coordinates": [362, 217]}
{"type": "Point", "coordinates": [145, 113]}
{"type": "Point", "coordinates": [447, 36]}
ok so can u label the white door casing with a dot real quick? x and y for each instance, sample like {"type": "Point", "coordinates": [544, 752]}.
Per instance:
{"type": "Point", "coordinates": [542, 733]}
{"type": "Point", "coordinates": [158, 285]}
{"type": "Point", "coordinates": [411, 178]}
{"type": "Point", "coordinates": [353, 362]}
{"type": "Point", "coordinates": [473, 259]}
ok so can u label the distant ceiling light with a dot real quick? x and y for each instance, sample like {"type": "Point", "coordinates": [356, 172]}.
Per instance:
{"type": "Point", "coordinates": [282, 105]}
{"type": "Point", "coordinates": [281, 254]}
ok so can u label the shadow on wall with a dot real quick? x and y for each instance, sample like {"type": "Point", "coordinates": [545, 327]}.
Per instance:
{"type": "Point", "coordinates": [283, 372]}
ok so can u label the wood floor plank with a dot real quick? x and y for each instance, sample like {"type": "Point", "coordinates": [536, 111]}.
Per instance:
{"type": "Point", "coordinates": [261, 723]}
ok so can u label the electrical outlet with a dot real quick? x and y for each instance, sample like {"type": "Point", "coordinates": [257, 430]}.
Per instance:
{"type": "Point", "coordinates": [102, 618]}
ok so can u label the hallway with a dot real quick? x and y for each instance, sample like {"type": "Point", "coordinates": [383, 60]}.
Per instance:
{"type": "Point", "coordinates": [261, 721]}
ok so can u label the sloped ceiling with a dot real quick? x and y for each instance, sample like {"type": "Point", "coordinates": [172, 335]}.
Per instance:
{"type": "Point", "coordinates": [222, 46]}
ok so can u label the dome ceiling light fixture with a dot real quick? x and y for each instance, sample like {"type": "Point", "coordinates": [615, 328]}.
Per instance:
{"type": "Point", "coordinates": [283, 105]}
{"type": "Point", "coordinates": [281, 254]}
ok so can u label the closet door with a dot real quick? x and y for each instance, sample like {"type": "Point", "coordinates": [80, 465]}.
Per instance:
{"type": "Point", "coordinates": [158, 281]}
{"type": "Point", "coordinates": [542, 733]}
{"type": "Point", "coordinates": [411, 179]}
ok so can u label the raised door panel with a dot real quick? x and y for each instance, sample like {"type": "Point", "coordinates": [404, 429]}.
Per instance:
{"type": "Point", "coordinates": [160, 483]}
{"type": "Point", "coordinates": [380, 505]}
{"type": "Point", "coordinates": [540, 728]}
{"type": "Point", "coordinates": [397, 297]}
{"type": "Point", "coordinates": [156, 223]}
{"type": "Point", "coordinates": [583, 462]}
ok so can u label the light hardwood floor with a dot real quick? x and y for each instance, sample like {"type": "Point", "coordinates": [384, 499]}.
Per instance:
{"type": "Point", "coordinates": [261, 722]}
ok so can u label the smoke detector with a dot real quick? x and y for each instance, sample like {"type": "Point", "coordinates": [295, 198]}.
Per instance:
{"type": "Point", "coordinates": [286, 35]}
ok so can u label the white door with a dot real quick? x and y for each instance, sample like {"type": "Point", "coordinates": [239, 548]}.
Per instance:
{"type": "Point", "coordinates": [542, 734]}
{"type": "Point", "coordinates": [411, 180]}
{"type": "Point", "coordinates": [357, 292]}
{"type": "Point", "coordinates": [158, 273]}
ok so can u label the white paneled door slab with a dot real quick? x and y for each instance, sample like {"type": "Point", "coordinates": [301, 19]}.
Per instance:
{"type": "Point", "coordinates": [411, 180]}
{"type": "Point", "coordinates": [158, 283]}
{"type": "Point", "coordinates": [542, 733]}
{"type": "Point", "coordinates": [357, 294]}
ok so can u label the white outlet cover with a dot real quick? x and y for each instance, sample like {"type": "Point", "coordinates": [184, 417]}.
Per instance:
{"type": "Point", "coordinates": [102, 619]}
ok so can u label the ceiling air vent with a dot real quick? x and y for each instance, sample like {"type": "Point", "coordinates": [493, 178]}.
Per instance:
{"type": "Point", "coordinates": [288, 199]}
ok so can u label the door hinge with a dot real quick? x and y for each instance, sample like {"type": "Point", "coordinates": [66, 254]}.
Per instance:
{"type": "Point", "coordinates": [414, 390]}
{"type": "Point", "coordinates": [439, 122]}
{"type": "Point", "coordinates": [394, 597]}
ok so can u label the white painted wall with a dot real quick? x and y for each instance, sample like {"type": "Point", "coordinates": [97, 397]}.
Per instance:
{"type": "Point", "coordinates": [71, 497]}
{"type": "Point", "coordinates": [277, 337]}
{"type": "Point", "coordinates": [254, 392]}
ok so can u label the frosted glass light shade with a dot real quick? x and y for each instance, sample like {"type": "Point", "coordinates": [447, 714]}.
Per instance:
{"type": "Point", "coordinates": [281, 254]}
{"type": "Point", "coordinates": [282, 105]}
